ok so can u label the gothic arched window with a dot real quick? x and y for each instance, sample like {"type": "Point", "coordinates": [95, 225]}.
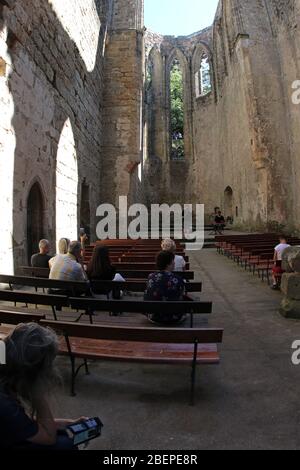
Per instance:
{"type": "Point", "coordinates": [203, 77]}
{"type": "Point", "coordinates": [177, 111]}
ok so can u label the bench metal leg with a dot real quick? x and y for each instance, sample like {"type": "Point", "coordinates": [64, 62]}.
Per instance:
{"type": "Point", "coordinates": [54, 313]}
{"type": "Point", "coordinates": [87, 372]}
{"type": "Point", "coordinates": [73, 376]}
{"type": "Point", "coordinates": [193, 377]}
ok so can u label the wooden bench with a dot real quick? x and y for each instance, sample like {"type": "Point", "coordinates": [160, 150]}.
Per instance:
{"type": "Point", "coordinates": [74, 287]}
{"type": "Point", "coordinates": [146, 345]}
{"type": "Point", "coordinates": [126, 273]}
{"type": "Point", "coordinates": [43, 283]}
{"type": "Point", "coordinates": [53, 301]}
{"type": "Point", "coordinates": [35, 272]}
{"type": "Point", "coordinates": [91, 305]}
{"type": "Point", "coordinates": [142, 274]}
{"type": "Point", "coordinates": [10, 319]}
{"type": "Point", "coordinates": [137, 286]}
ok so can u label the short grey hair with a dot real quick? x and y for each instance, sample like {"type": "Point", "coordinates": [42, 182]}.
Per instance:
{"type": "Point", "coordinates": [168, 245]}
{"type": "Point", "coordinates": [74, 247]}
{"type": "Point", "coordinates": [44, 244]}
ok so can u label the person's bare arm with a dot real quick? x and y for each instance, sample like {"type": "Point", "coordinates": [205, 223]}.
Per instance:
{"type": "Point", "coordinates": [47, 428]}
{"type": "Point", "coordinates": [275, 256]}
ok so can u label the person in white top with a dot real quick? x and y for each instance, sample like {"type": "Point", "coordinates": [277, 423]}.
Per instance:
{"type": "Point", "coordinates": [277, 269]}
{"type": "Point", "coordinates": [170, 245]}
{"type": "Point", "coordinates": [63, 246]}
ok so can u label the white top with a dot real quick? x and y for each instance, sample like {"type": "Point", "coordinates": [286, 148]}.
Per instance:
{"type": "Point", "coordinates": [180, 263]}
{"type": "Point", "coordinates": [280, 249]}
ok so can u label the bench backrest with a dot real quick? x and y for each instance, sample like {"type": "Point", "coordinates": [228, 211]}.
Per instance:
{"type": "Point", "coordinates": [35, 299]}
{"type": "Point", "coordinates": [138, 334]}
{"type": "Point", "coordinates": [42, 283]}
{"type": "Point", "coordinates": [140, 307]}
{"type": "Point", "coordinates": [14, 318]}
{"type": "Point", "coordinates": [136, 286]}
{"type": "Point", "coordinates": [75, 286]}
{"type": "Point", "coordinates": [142, 274]}
{"type": "Point", "coordinates": [35, 272]}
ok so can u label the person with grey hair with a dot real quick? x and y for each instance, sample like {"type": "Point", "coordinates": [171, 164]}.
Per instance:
{"type": "Point", "coordinates": [69, 267]}
{"type": "Point", "coordinates": [27, 381]}
{"type": "Point", "coordinates": [169, 245]}
{"type": "Point", "coordinates": [41, 259]}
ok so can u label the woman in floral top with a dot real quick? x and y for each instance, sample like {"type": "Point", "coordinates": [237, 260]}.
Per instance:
{"type": "Point", "coordinates": [165, 285]}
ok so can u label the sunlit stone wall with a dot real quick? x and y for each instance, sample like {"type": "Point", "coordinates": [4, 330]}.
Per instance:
{"type": "Point", "coordinates": [51, 90]}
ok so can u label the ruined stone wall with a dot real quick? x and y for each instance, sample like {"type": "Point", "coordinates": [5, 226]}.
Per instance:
{"type": "Point", "coordinates": [244, 134]}
{"type": "Point", "coordinates": [51, 57]}
{"type": "Point", "coordinates": [285, 19]}
{"type": "Point", "coordinates": [169, 181]}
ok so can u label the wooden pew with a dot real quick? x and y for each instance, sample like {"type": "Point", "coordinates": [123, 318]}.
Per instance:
{"type": "Point", "coordinates": [91, 305]}
{"type": "Point", "coordinates": [8, 320]}
{"type": "Point", "coordinates": [53, 301]}
{"type": "Point", "coordinates": [74, 287]}
{"type": "Point", "coordinates": [126, 273]}
{"type": "Point", "coordinates": [146, 345]}
{"type": "Point", "coordinates": [43, 283]}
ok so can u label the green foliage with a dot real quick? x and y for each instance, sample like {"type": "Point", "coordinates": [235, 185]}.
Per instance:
{"type": "Point", "coordinates": [177, 150]}
{"type": "Point", "coordinates": [177, 103]}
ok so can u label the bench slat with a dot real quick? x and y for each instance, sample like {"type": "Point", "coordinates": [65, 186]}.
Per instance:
{"type": "Point", "coordinates": [116, 306]}
{"type": "Point", "coordinates": [141, 352]}
{"type": "Point", "coordinates": [139, 334]}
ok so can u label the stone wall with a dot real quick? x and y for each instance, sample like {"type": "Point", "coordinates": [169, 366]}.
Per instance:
{"type": "Point", "coordinates": [244, 135]}
{"type": "Point", "coordinates": [51, 109]}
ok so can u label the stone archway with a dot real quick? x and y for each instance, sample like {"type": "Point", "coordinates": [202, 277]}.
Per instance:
{"type": "Point", "coordinates": [35, 219]}
{"type": "Point", "coordinates": [228, 203]}
{"type": "Point", "coordinates": [67, 185]}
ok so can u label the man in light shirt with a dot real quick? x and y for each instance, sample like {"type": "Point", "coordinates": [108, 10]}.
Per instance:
{"type": "Point", "coordinates": [277, 270]}
{"type": "Point", "coordinates": [69, 268]}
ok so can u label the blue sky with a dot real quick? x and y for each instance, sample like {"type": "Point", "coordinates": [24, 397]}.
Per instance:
{"type": "Point", "coordinates": [179, 17]}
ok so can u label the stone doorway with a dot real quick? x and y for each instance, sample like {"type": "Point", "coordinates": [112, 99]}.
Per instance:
{"type": "Point", "coordinates": [228, 204]}
{"type": "Point", "coordinates": [85, 211]}
{"type": "Point", "coordinates": [35, 220]}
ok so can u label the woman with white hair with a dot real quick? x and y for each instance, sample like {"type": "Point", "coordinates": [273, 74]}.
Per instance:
{"type": "Point", "coordinates": [63, 247]}
{"type": "Point", "coordinates": [170, 245]}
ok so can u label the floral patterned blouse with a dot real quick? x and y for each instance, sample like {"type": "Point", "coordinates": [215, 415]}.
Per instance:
{"type": "Point", "coordinates": [164, 286]}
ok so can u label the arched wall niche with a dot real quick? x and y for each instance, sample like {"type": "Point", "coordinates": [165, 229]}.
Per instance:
{"type": "Point", "coordinates": [35, 217]}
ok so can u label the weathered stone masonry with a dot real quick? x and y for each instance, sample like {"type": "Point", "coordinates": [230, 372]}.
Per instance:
{"type": "Point", "coordinates": [245, 145]}
{"type": "Point", "coordinates": [78, 127]}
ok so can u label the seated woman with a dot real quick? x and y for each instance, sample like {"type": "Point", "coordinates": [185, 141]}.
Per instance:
{"type": "Point", "coordinates": [26, 381]}
{"type": "Point", "coordinates": [63, 247]}
{"type": "Point", "coordinates": [170, 245]}
{"type": "Point", "coordinates": [100, 269]}
{"type": "Point", "coordinates": [165, 285]}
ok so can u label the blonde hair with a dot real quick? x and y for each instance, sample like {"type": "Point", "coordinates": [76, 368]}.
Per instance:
{"type": "Point", "coordinates": [63, 246]}
{"type": "Point", "coordinates": [168, 245]}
